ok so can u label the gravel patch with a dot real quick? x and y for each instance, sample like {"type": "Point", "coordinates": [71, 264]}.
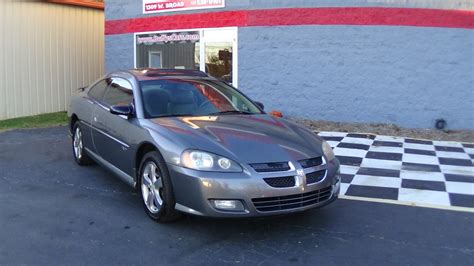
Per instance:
{"type": "Point", "coordinates": [389, 130]}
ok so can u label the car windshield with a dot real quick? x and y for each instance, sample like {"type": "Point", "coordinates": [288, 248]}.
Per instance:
{"type": "Point", "coordinates": [178, 97]}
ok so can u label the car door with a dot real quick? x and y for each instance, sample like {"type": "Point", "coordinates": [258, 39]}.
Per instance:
{"type": "Point", "coordinates": [93, 97]}
{"type": "Point", "coordinates": [110, 136]}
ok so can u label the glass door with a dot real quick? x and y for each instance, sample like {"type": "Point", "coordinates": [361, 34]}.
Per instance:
{"type": "Point", "coordinates": [219, 60]}
{"type": "Point", "coordinates": [220, 54]}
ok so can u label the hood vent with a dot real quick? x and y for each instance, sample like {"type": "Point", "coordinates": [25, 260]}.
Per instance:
{"type": "Point", "coordinates": [270, 167]}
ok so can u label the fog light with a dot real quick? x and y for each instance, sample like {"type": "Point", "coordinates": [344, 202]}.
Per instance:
{"type": "Point", "coordinates": [228, 205]}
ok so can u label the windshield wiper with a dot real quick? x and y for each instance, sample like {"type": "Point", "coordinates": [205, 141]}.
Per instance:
{"type": "Point", "coordinates": [232, 112]}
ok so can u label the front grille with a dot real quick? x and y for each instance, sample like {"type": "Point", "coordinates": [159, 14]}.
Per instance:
{"type": "Point", "coordinates": [315, 177]}
{"type": "Point", "coordinates": [313, 162]}
{"type": "Point", "coordinates": [270, 167]}
{"type": "Point", "coordinates": [285, 181]}
{"type": "Point", "coordinates": [292, 201]}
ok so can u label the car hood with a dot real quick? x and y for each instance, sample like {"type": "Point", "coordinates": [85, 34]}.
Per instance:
{"type": "Point", "coordinates": [245, 138]}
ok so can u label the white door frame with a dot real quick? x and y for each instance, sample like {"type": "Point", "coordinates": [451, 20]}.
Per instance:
{"type": "Point", "coordinates": [220, 35]}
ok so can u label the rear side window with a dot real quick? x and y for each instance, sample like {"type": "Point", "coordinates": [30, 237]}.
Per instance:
{"type": "Point", "coordinates": [98, 90]}
{"type": "Point", "coordinates": [118, 93]}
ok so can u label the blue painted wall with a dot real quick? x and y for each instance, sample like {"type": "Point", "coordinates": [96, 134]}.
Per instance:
{"type": "Point", "coordinates": [409, 76]}
{"type": "Point", "coordinates": [119, 52]}
{"type": "Point", "coordinates": [404, 75]}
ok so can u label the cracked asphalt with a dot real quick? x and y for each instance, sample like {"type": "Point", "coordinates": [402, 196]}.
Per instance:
{"type": "Point", "coordinates": [55, 212]}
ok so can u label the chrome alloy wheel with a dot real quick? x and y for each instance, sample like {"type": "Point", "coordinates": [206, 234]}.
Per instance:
{"type": "Point", "coordinates": [77, 143]}
{"type": "Point", "coordinates": [151, 187]}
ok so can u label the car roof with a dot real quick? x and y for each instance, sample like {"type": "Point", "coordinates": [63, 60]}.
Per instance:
{"type": "Point", "coordinates": [155, 73]}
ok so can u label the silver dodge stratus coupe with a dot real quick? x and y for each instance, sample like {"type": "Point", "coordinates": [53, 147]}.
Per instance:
{"type": "Point", "coordinates": [191, 143]}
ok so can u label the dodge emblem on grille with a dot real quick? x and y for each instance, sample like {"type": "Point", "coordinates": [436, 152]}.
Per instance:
{"type": "Point", "coordinates": [299, 177]}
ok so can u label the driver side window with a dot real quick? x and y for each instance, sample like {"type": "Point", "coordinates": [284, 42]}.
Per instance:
{"type": "Point", "coordinates": [118, 93]}
{"type": "Point", "coordinates": [98, 90]}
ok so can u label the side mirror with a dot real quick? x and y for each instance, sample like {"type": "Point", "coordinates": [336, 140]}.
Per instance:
{"type": "Point", "coordinates": [125, 110]}
{"type": "Point", "coordinates": [260, 105]}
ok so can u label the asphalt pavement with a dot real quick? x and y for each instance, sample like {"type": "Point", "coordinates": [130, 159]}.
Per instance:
{"type": "Point", "coordinates": [55, 212]}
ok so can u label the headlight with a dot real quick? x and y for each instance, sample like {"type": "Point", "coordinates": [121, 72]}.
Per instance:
{"type": "Point", "coordinates": [327, 150]}
{"type": "Point", "coordinates": [205, 161]}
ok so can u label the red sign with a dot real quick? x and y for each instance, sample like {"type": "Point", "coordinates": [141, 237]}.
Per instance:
{"type": "Point", "coordinates": [153, 6]}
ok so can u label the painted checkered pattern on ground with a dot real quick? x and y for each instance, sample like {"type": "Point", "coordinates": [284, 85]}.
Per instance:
{"type": "Point", "coordinates": [405, 169]}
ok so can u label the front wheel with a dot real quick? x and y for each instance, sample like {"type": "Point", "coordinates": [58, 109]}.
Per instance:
{"type": "Point", "coordinates": [78, 151]}
{"type": "Point", "coordinates": [156, 188]}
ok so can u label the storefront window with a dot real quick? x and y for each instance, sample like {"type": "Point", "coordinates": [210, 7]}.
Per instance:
{"type": "Point", "coordinates": [168, 50]}
{"type": "Point", "coordinates": [209, 50]}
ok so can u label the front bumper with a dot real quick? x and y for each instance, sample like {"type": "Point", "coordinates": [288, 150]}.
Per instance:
{"type": "Point", "coordinates": [194, 189]}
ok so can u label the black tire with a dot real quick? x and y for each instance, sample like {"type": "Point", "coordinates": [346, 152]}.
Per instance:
{"type": "Point", "coordinates": [166, 212]}
{"type": "Point", "coordinates": [83, 158]}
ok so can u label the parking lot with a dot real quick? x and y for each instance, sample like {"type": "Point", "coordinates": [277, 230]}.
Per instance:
{"type": "Point", "coordinates": [55, 212]}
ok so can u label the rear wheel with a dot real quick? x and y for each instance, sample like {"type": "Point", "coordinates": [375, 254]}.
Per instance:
{"type": "Point", "coordinates": [156, 188]}
{"type": "Point", "coordinates": [78, 151]}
